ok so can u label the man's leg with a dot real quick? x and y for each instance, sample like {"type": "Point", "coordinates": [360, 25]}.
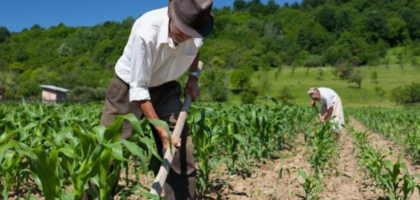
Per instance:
{"type": "Point", "coordinates": [116, 103]}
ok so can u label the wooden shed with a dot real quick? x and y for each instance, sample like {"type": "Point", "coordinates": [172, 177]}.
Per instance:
{"type": "Point", "coordinates": [53, 94]}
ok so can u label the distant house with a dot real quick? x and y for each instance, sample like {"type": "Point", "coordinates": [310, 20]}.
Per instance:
{"type": "Point", "coordinates": [53, 94]}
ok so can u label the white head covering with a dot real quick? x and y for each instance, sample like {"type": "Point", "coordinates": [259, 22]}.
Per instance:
{"type": "Point", "coordinates": [312, 91]}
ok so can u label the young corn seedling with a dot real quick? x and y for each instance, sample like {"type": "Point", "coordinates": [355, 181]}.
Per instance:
{"type": "Point", "coordinates": [398, 186]}
{"type": "Point", "coordinates": [311, 186]}
{"type": "Point", "coordinates": [323, 147]}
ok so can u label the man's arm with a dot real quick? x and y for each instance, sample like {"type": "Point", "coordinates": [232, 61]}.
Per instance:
{"type": "Point", "coordinates": [192, 84]}
{"type": "Point", "coordinates": [140, 79]}
{"type": "Point", "coordinates": [147, 109]}
{"type": "Point", "coordinates": [313, 102]}
{"type": "Point", "coordinates": [327, 114]}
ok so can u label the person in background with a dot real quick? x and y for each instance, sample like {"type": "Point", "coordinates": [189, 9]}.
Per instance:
{"type": "Point", "coordinates": [332, 108]}
{"type": "Point", "coordinates": [162, 46]}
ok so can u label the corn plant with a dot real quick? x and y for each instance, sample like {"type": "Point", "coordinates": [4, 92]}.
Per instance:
{"type": "Point", "coordinates": [397, 187]}
{"type": "Point", "coordinates": [394, 179]}
{"type": "Point", "coordinates": [60, 149]}
{"type": "Point", "coordinates": [323, 147]}
{"type": "Point", "coordinates": [403, 126]}
{"type": "Point", "coordinates": [9, 162]}
{"type": "Point", "coordinates": [67, 142]}
{"type": "Point", "coordinates": [311, 186]}
{"type": "Point", "coordinates": [412, 146]}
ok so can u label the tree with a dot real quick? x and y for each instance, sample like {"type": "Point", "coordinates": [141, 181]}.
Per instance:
{"type": "Point", "coordinates": [272, 7]}
{"type": "Point", "coordinates": [343, 21]}
{"type": "Point", "coordinates": [356, 77]}
{"type": "Point", "coordinates": [397, 31]}
{"type": "Point", "coordinates": [6, 84]}
{"type": "Point", "coordinates": [64, 50]}
{"type": "Point", "coordinates": [239, 5]}
{"type": "Point", "coordinates": [312, 3]}
{"type": "Point", "coordinates": [412, 19]}
{"type": "Point", "coordinates": [239, 78]}
{"type": "Point", "coordinates": [255, 6]}
{"type": "Point", "coordinates": [214, 82]}
{"type": "Point", "coordinates": [312, 37]}
{"type": "Point", "coordinates": [375, 26]}
{"type": "Point", "coordinates": [326, 16]}
{"type": "Point", "coordinates": [374, 77]}
{"type": "Point", "coordinates": [320, 73]}
{"type": "Point", "coordinates": [128, 22]}
{"type": "Point", "coordinates": [4, 34]}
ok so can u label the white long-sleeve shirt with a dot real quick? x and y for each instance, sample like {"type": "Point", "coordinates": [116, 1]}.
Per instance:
{"type": "Point", "coordinates": [328, 97]}
{"type": "Point", "coordinates": [151, 58]}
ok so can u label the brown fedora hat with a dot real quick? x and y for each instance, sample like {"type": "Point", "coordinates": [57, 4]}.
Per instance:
{"type": "Point", "coordinates": [192, 17]}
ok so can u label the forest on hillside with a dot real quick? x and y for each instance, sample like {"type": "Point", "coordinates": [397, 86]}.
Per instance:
{"type": "Point", "coordinates": [248, 36]}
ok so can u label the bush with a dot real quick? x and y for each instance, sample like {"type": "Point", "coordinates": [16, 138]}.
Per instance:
{"type": "Point", "coordinates": [313, 61]}
{"type": "Point", "coordinates": [249, 96]}
{"type": "Point", "coordinates": [86, 94]}
{"type": "Point", "coordinates": [218, 91]}
{"type": "Point", "coordinates": [286, 96]}
{"type": "Point", "coordinates": [343, 70]}
{"type": "Point", "coordinates": [356, 77]}
{"type": "Point", "coordinates": [407, 94]}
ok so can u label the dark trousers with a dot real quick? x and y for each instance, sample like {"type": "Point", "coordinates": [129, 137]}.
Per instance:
{"type": "Point", "coordinates": [181, 181]}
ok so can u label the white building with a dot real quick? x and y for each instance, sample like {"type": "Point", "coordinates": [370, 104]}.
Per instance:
{"type": "Point", "coordinates": [53, 94]}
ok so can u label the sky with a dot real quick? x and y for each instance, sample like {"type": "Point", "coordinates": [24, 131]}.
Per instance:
{"type": "Point", "coordinates": [16, 15]}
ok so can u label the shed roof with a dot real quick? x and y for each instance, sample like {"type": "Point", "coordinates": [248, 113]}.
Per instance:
{"type": "Point", "coordinates": [55, 88]}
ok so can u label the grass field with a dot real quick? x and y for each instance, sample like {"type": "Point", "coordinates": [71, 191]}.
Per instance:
{"type": "Point", "coordinates": [301, 80]}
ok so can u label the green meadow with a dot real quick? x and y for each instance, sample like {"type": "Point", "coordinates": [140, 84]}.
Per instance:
{"type": "Point", "coordinates": [303, 78]}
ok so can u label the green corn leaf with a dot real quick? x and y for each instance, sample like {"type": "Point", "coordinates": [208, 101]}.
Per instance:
{"type": "Point", "coordinates": [240, 139]}
{"type": "Point", "coordinates": [46, 170]}
{"type": "Point", "coordinates": [114, 131]}
{"type": "Point", "coordinates": [116, 150]}
{"type": "Point", "coordinates": [60, 136]}
{"type": "Point", "coordinates": [134, 149]}
{"type": "Point", "coordinates": [149, 195]}
{"type": "Point", "coordinates": [149, 143]}
{"type": "Point", "coordinates": [68, 151]}
{"type": "Point", "coordinates": [134, 122]}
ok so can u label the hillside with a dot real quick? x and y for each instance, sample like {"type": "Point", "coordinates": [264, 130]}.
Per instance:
{"type": "Point", "coordinates": [248, 36]}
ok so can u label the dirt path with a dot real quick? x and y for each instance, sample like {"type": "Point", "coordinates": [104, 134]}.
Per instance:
{"type": "Point", "coordinates": [388, 148]}
{"type": "Point", "coordinates": [347, 184]}
{"type": "Point", "coordinates": [264, 182]}
{"type": "Point", "coordinates": [344, 183]}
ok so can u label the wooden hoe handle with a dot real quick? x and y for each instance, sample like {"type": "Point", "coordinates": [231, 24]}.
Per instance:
{"type": "Point", "coordinates": [160, 179]}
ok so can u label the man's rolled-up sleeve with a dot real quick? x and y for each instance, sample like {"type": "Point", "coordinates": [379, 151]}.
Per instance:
{"type": "Point", "coordinates": [140, 71]}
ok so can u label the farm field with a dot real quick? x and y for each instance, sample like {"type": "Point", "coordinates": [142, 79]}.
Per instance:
{"type": "Point", "coordinates": [255, 134]}
{"type": "Point", "coordinates": [242, 152]}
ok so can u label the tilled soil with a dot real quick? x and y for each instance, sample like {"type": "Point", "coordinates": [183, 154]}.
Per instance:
{"type": "Point", "coordinates": [345, 182]}
{"type": "Point", "coordinates": [393, 152]}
